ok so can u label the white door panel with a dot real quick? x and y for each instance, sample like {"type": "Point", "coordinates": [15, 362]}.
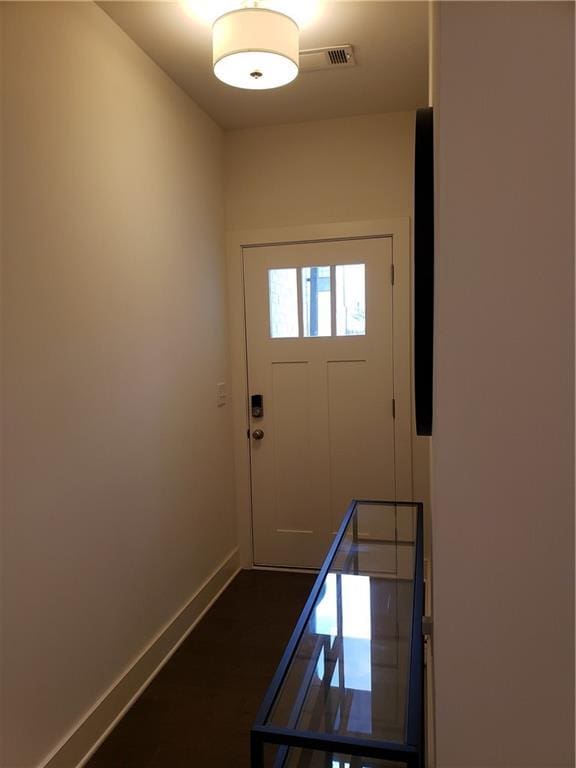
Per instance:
{"type": "Point", "coordinates": [328, 421]}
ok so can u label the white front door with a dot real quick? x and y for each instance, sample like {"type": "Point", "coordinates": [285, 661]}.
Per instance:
{"type": "Point", "coordinates": [319, 324]}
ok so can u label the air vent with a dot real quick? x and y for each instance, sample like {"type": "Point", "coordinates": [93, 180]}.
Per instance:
{"type": "Point", "coordinates": [325, 58]}
{"type": "Point", "coordinates": [337, 56]}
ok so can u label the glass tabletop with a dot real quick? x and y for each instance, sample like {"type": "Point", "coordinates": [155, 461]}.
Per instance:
{"type": "Point", "coordinates": [308, 758]}
{"type": "Point", "coordinates": [349, 672]}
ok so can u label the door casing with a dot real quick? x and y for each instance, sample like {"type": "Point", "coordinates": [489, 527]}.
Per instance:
{"type": "Point", "coordinates": [399, 230]}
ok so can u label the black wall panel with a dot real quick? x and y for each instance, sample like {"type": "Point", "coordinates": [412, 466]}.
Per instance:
{"type": "Point", "coordinates": [424, 269]}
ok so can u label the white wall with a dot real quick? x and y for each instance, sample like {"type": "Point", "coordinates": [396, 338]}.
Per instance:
{"type": "Point", "coordinates": [502, 485]}
{"type": "Point", "coordinates": [117, 464]}
{"type": "Point", "coordinates": [325, 171]}
{"type": "Point", "coordinates": [344, 169]}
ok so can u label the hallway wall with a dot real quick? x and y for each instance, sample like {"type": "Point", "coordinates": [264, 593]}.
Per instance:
{"type": "Point", "coordinates": [503, 451]}
{"type": "Point", "coordinates": [323, 171]}
{"type": "Point", "coordinates": [117, 485]}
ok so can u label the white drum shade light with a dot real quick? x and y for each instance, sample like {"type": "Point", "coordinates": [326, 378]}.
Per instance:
{"type": "Point", "coordinates": [255, 48]}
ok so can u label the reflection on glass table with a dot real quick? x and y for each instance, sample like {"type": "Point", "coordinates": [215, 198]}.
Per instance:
{"type": "Point", "coordinates": [351, 677]}
{"type": "Point", "coordinates": [354, 646]}
{"type": "Point", "coordinates": [308, 758]}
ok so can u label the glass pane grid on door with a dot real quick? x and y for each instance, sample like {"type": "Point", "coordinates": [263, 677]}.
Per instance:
{"type": "Point", "coordinates": [317, 301]}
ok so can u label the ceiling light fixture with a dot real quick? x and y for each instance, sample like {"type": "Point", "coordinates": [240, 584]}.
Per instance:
{"type": "Point", "coordinates": [255, 48]}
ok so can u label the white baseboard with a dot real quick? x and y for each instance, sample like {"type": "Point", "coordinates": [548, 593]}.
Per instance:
{"type": "Point", "coordinates": [85, 738]}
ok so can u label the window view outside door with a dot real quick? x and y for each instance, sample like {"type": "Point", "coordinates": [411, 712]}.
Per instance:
{"type": "Point", "coordinates": [323, 289]}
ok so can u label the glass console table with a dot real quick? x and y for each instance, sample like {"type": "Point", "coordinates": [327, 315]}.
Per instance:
{"type": "Point", "coordinates": [348, 692]}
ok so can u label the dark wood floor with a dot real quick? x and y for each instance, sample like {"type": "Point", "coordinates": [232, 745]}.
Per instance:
{"type": "Point", "coordinates": [199, 709]}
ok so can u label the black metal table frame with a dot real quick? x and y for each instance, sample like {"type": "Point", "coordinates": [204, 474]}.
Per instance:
{"type": "Point", "coordinates": [412, 751]}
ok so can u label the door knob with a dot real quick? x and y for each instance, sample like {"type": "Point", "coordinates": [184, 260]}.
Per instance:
{"type": "Point", "coordinates": [258, 434]}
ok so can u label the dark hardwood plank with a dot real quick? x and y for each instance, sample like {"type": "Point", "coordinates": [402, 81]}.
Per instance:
{"type": "Point", "coordinates": [199, 709]}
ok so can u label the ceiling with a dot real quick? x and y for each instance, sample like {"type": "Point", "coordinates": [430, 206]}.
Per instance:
{"type": "Point", "coordinates": [390, 42]}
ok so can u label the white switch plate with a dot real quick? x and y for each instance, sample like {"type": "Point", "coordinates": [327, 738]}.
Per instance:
{"type": "Point", "coordinates": [221, 395]}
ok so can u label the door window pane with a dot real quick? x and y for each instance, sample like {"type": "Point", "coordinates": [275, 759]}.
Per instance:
{"type": "Point", "coordinates": [283, 296]}
{"type": "Point", "coordinates": [316, 301]}
{"type": "Point", "coordinates": [350, 300]}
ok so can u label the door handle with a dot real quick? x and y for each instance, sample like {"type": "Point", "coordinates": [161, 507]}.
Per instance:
{"type": "Point", "coordinates": [258, 434]}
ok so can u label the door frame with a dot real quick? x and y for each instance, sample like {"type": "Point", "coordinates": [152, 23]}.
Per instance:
{"type": "Point", "coordinates": [399, 229]}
